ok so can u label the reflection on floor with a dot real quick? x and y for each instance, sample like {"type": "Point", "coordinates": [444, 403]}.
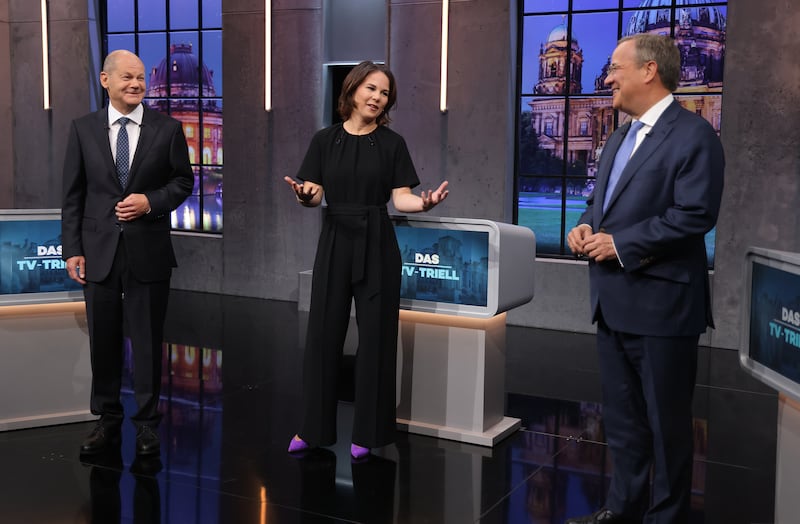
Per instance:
{"type": "Point", "coordinates": [227, 424]}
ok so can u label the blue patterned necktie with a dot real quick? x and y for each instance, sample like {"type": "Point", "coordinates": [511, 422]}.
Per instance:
{"type": "Point", "coordinates": [123, 152]}
{"type": "Point", "coordinates": [620, 160]}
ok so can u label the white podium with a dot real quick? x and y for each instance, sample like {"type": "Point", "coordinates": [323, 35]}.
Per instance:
{"type": "Point", "coordinates": [452, 376]}
{"type": "Point", "coordinates": [787, 468]}
{"type": "Point", "coordinates": [770, 351]}
{"type": "Point", "coordinates": [45, 377]}
{"type": "Point", "coordinates": [46, 373]}
{"type": "Point", "coordinates": [459, 278]}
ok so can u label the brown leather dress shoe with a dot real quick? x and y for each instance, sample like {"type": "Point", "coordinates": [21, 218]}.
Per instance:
{"type": "Point", "coordinates": [602, 516]}
{"type": "Point", "coordinates": [99, 438]}
{"type": "Point", "coordinates": [147, 442]}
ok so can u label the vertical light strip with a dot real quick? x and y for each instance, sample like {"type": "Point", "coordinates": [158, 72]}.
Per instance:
{"type": "Point", "coordinates": [263, 516]}
{"type": "Point", "coordinates": [268, 55]}
{"type": "Point", "coordinates": [45, 58]}
{"type": "Point", "coordinates": [443, 85]}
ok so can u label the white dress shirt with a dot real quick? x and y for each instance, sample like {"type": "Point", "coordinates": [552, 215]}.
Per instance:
{"type": "Point", "coordinates": [133, 128]}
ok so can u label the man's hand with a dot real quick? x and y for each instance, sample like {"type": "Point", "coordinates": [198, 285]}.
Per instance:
{"type": "Point", "coordinates": [76, 269]}
{"type": "Point", "coordinates": [600, 247]}
{"type": "Point", "coordinates": [576, 239]}
{"type": "Point", "coordinates": [134, 206]}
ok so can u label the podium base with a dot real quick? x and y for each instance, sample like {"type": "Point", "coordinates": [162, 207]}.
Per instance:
{"type": "Point", "coordinates": [787, 504]}
{"type": "Point", "coordinates": [488, 438]}
{"type": "Point", "coordinates": [44, 344]}
{"type": "Point", "coordinates": [48, 419]}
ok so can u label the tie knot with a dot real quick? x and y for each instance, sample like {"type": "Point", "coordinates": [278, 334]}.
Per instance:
{"type": "Point", "coordinates": [123, 121]}
{"type": "Point", "coordinates": [635, 126]}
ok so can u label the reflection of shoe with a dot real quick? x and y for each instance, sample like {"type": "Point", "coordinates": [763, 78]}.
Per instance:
{"type": "Point", "coordinates": [147, 442]}
{"type": "Point", "coordinates": [109, 457]}
{"type": "Point", "coordinates": [297, 445]}
{"type": "Point", "coordinates": [104, 475]}
{"type": "Point", "coordinates": [146, 466]}
{"type": "Point", "coordinates": [358, 452]}
{"type": "Point", "coordinates": [99, 438]}
{"type": "Point", "coordinates": [603, 516]}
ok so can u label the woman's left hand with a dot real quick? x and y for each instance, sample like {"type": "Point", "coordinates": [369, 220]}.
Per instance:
{"type": "Point", "coordinates": [432, 198]}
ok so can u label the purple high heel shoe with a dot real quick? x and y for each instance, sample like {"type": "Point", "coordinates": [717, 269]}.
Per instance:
{"type": "Point", "coordinates": [358, 452]}
{"type": "Point", "coordinates": [297, 445]}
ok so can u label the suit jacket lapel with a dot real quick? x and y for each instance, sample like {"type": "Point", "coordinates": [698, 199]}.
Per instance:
{"type": "Point", "coordinates": [644, 152]}
{"type": "Point", "coordinates": [147, 133]}
{"type": "Point", "coordinates": [607, 160]}
{"type": "Point", "coordinates": [100, 135]}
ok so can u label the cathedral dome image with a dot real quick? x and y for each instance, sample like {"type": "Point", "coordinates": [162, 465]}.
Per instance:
{"type": "Point", "coordinates": [553, 63]}
{"type": "Point", "coordinates": [577, 133]}
{"type": "Point", "coordinates": [687, 11]}
{"type": "Point", "coordinates": [699, 34]}
{"type": "Point", "coordinates": [558, 33]}
{"type": "Point", "coordinates": [183, 87]}
{"type": "Point", "coordinates": [183, 72]}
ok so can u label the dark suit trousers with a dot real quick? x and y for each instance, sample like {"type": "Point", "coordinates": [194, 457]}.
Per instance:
{"type": "Point", "coordinates": [648, 383]}
{"type": "Point", "coordinates": [142, 311]}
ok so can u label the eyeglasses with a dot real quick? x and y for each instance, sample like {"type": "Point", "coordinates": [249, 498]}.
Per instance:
{"type": "Point", "coordinates": [613, 68]}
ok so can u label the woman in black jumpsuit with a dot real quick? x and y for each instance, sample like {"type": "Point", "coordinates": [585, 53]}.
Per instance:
{"type": "Point", "coordinates": [359, 164]}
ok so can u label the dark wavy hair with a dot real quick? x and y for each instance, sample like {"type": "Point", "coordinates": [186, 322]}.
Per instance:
{"type": "Point", "coordinates": [354, 79]}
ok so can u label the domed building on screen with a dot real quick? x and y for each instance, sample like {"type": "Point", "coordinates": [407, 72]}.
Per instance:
{"type": "Point", "coordinates": [700, 36]}
{"type": "Point", "coordinates": [183, 87]}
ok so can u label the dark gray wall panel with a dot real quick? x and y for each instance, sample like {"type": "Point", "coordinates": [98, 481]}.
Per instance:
{"type": "Point", "coordinates": [761, 136]}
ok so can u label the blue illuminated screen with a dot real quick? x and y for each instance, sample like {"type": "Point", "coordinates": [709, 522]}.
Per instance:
{"type": "Point", "coordinates": [444, 265]}
{"type": "Point", "coordinates": [775, 320]}
{"type": "Point", "coordinates": [30, 258]}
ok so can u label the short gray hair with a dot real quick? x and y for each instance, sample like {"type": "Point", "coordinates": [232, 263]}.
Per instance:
{"type": "Point", "coordinates": [660, 49]}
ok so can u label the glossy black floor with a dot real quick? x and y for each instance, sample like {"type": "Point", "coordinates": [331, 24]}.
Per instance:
{"type": "Point", "coordinates": [230, 394]}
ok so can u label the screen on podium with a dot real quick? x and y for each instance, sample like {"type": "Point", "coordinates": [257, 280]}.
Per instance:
{"type": "Point", "coordinates": [444, 265]}
{"type": "Point", "coordinates": [770, 345]}
{"type": "Point", "coordinates": [456, 266]}
{"type": "Point", "coordinates": [31, 269]}
{"type": "Point", "coordinates": [450, 266]}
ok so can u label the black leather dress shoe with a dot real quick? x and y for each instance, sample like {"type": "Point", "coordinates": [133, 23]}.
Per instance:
{"type": "Point", "coordinates": [602, 516]}
{"type": "Point", "coordinates": [147, 442]}
{"type": "Point", "coordinates": [110, 457]}
{"type": "Point", "coordinates": [100, 437]}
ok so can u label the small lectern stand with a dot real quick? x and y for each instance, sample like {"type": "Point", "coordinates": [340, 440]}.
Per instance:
{"type": "Point", "coordinates": [787, 469]}
{"type": "Point", "coordinates": [45, 377]}
{"type": "Point", "coordinates": [459, 278]}
{"type": "Point", "coordinates": [770, 351]}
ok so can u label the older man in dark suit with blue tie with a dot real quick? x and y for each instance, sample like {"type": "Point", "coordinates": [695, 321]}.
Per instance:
{"type": "Point", "coordinates": [658, 192]}
{"type": "Point", "coordinates": [126, 168]}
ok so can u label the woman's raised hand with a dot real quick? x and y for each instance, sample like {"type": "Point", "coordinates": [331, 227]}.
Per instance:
{"type": "Point", "coordinates": [432, 198]}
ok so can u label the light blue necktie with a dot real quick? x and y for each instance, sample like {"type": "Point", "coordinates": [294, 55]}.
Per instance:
{"type": "Point", "coordinates": [620, 160]}
{"type": "Point", "coordinates": [123, 152]}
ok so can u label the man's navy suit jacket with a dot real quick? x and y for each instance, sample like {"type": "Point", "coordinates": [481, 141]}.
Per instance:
{"type": "Point", "coordinates": [160, 170]}
{"type": "Point", "coordinates": [666, 200]}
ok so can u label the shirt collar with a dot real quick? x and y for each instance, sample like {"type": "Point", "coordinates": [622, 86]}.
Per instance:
{"type": "Point", "coordinates": [651, 116]}
{"type": "Point", "coordinates": [135, 115]}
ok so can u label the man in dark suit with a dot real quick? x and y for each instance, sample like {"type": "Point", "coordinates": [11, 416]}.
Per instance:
{"type": "Point", "coordinates": [643, 233]}
{"type": "Point", "coordinates": [126, 168]}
